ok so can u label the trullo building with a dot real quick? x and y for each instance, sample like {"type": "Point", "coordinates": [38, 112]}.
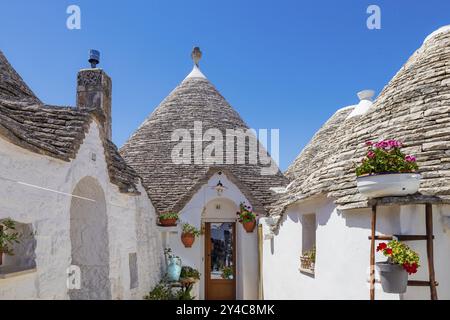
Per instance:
{"type": "Point", "coordinates": [86, 223]}
{"type": "Point", "coordinates": [323, 210]}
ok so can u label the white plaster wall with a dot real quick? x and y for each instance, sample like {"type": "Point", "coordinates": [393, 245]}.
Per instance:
{"type": "Point", "coordinates": [343, 253]}
{"type": "Point", "coordinates": [25, 181]}
{"type": "Point", "coordinates": [246, 243]}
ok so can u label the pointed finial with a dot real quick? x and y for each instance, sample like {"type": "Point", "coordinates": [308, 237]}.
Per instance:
{"type": "Point", "coordinates": [196, 55]}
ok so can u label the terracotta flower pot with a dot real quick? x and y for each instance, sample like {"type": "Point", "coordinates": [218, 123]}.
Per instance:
{"type": "Point", "coordinates": [249, 226]}
{"type": "Point", "coordinates": [168, 222]}
{"type": "Point", "coordinates": [187, 239]}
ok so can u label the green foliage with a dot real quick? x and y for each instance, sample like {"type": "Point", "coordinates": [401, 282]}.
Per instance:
{"type": "Point", "coordinates": [227, 272]}
{"type": "Point", "coordinates": [189, 272]}
{"type": "Point", "coordinates": [386, 157]}
{"type": "Point", "coordinates": [168, 215]}
{"type": "Point", "coordinates": [8, 236]}
{"type": "Point", "coordinates": [165, 291]}
{"type": "Point", "coordinates": [311, 254]}
{"type": "Point", "coordinates": [245, 214]}
{"type": "Point", "coordinates": [188, 228]}
{"type": "Point", "coordinates": [161, 292]}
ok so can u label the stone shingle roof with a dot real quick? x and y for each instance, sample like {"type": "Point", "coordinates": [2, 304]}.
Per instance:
{"type": "Point", "coordinates": [414, 107]}
{"type": "Point", "coordinates": [170, 185]}
{"type": "Point", "coordinates": [52, 130]}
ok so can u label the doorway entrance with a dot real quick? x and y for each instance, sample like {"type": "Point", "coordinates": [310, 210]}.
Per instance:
{"type": "Point", "coordinates": [220, 260]}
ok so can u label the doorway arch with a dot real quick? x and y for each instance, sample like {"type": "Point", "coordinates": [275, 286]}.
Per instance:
{"type": "Point", "coordinates": [89, 240]}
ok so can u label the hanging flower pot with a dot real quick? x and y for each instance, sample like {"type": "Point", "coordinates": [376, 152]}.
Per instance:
{"type": "Point", "coordinates": [168, 219]}
{"type": "Point", "coordinates": [247, 217]}
{"type": "Point", "coordinates": [394, 272]}
{"type": "Point", "coordinates": [188, 235]}
{"type": "Point", "coordinates": [188, 239]}
{"type": "Point", "coordinates": [394, 278]}
{"type": "Point", "coordinates": [386, 171]}
{"type": "Point", "coordinates": [249, 226]}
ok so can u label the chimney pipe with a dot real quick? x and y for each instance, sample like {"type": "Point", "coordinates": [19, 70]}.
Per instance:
{"type": "Point", "coordinates": [365, 103]}
{"type": "Point", "coordinates": [94, 88]}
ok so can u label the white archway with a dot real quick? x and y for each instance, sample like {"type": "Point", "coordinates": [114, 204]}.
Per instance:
{"type": "Point", "coordinates": [89, 240]}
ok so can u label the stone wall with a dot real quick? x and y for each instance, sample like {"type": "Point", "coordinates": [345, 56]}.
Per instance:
{"type": "Point", "coordinates": [37, 190]}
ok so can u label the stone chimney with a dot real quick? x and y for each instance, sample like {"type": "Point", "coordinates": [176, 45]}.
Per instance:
{"type": "Point", "coordinates": [94, 89]}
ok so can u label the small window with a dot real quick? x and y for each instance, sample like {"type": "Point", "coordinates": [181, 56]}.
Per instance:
{"type": "Point", "coordinates": [308, 256]}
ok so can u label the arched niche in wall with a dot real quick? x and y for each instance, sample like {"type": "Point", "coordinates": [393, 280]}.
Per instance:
{"type": "Point", "coordinates": [89, 240]}
{"type": "Point", "coordinates": [220, 208]}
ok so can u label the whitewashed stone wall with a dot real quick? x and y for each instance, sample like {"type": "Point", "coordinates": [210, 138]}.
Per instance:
{"type": "Point", "coordinates": [343, 252]}
{"type": "Point", "coordinates": [25, 196]}
{"type": "Point", "coordinates": [201, 208]}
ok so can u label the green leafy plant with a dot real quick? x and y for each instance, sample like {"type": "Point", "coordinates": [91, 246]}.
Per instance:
{"type": "Point", "coordinates": [246, 213]}
{"type": "Point", "coordinates": [164, 290]}
{"type": "Point", "coordinates": [8, 236]}
{"type": "Point", "coordinates": [386, 157]}
{"type": "Point", "coordinates": [160, 292]}
{"type": "Point", "coordinates": [227, 272]}
{"type": "Point", "coordinates": [189, 272]}
{"type": "Point", "coordinates": [188, 228]}
{"type": "Point", "coordinates": [168, 215]}
{"type": "Point", "coordinates": [400, 253]}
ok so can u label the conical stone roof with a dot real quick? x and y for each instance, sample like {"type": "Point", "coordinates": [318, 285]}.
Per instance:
{"type": "Point", "coordinates": [149, 149]}
{"type": "Point", "coordinates": [414, 108]}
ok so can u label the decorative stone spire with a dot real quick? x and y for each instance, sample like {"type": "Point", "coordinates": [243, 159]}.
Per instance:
{"type": "Point", "coordinates": [196, 55]}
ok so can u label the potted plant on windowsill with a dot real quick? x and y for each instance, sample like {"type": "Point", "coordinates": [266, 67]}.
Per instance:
{"type": "Point", "coordinates": [8, 237]}
{"type": "Point", "coordinates": [401, 262]}
{"type": "Point", "coordinates": [247, 217]}
{"type": "Point", "coordinates": [189, 234]}
{"type": "Point", "coordinates": [168, 219]}
{"type": "Point", "coordinates": [308, 260]}
{"type": "Point", "coordinates": [387, 171]}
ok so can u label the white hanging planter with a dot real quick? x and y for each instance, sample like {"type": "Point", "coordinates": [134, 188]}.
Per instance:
{"type": "Point", "coordinates": [391, 184]}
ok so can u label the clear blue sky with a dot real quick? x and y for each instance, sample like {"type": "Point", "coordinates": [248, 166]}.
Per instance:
{"type": "Point", "coordinates": [280, 64]}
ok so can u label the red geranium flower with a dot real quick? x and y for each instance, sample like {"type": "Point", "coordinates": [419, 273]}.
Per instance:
{"type": "Point", "coordinates": [381, 246]}
{"type": "Point", "coordinates": [388, 251]}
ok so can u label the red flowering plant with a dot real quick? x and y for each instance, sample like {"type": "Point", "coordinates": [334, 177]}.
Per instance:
{"type": "Point", "coordinates": [386, 157]}
{"type": "Point", "coordinates": [400, 253]}
{"type": "Point", "coordinates": [246, 213]}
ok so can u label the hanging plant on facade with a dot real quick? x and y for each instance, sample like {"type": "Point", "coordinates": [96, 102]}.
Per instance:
{"type": "Point", "coordinates": [247, 217]}
{"type": "Point", "coordinates": [8, 237]}
{"type": "Point", "coordinates": [387, 171]}
{"type": "Point", "coordinates": [401, 261]}
{"type": "Point", "coordinates": [168, 219]}
{"type": "Point", "coordinates": [189, 234]}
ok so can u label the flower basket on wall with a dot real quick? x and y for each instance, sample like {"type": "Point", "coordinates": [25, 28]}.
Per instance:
{"type": "Point", "coordinates": [387, 171]}
{"type": "Point", "coordinates": [247, 217]}
{"type": "Point", "coordinates": [401, 262]}
{"type": "Point", "coordinates": [189, 234]}
{"type": "Point", "coordinates": [306, 264]}
{"type": "Point", "coordinates": [308, 261]}
{"type": "Point", "coordinates": [168, 219]}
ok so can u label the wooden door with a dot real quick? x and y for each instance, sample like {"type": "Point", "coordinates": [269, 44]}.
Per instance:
{"type": "Point", "coordinates": [220, 261]}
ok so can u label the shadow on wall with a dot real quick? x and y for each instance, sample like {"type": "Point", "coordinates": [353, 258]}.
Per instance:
{"type": "Point", "coordinates": [388, 219]}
